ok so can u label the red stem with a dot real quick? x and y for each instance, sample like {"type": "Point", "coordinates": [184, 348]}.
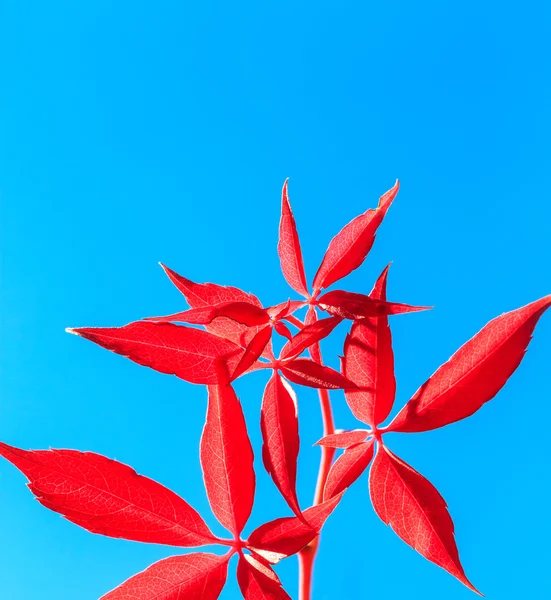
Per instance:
{"type": "Point", "coordinates": [307, 555]}
{"type": "Point", "coordinates": [327, 454]}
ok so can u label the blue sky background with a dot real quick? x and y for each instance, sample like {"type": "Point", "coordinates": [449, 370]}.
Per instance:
{"type": "Point", "coordinates": [137, 132]}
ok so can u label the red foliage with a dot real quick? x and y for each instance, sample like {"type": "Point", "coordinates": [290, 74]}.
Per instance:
{"type": "Point", "coordinates": [412, 506]}
{"type": "Point", "coordinates": [109, 498]}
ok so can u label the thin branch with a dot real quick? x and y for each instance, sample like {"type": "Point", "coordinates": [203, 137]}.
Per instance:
{"type": "Point", "coordinates": [307, 555]}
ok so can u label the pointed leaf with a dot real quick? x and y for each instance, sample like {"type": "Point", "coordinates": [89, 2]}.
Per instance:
{"type": "Point", "coordinates": [343, 439]}
{"type": "Point", "coordinates": [347, 468]}
{"type": "Point", "coordinates": [288, 247]}
{"type": "Point", "coordinates": [241, 312]}
{"type": "Point", "coordinates": [474, 374]}
{"type": "Point", "coordinates": [284, 537]}
{"type": "Point", "coordinates": [197, 576]}
{"type": "Point", "coordinates": [349, 305]}
{"type": "Point", "coordinates": [257, 581]}
{"type": "Point", "coordinates": [191, 354]}
{"type": "Point", "coordinates": [309, 335]}
{"type": "Point", "coordinates": [199, 295]}
{"type": "Point", "coordinates": [284, 309]}
{"type": "Point", "coordinates": [369, 362]}
{"type": "Point", "coordinates": [314, 349]}
{"type": "Point", "coordinates": [283, 330]}
{"type": "Point", "coordinates": [279, 425]}
{"type": "Point", "coordinates": [193, 316]}
{"type": "Point", "coordinates": [227, 459]}
{"type": "Point", "coordinates": [108, 497]}
{"type": "Point", "coordinates": [348, 249]}
{"type": "Point", "coordinates": [414, 509]}
{"type": "Point", "coordinates": [253, 351]}
{"type": "Point", "coordinates": [307, 372]}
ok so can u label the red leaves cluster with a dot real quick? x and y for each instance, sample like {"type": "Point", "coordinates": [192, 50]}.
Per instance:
{"type": "Point", "coordinates": [109, 498]}
{"type": "Point", "coordinates": [402, 497]}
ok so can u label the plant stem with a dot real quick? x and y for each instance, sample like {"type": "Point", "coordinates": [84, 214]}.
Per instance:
{"type": "Point", "coordinates": [305, 569]}
{"type": "Point", "coordinates": [327, 454]}
{"type": "Point", "coordinates": [307, 555]}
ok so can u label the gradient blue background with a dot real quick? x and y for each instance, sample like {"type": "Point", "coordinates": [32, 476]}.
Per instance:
{"type": "Point", "coordinates": [133, 132]}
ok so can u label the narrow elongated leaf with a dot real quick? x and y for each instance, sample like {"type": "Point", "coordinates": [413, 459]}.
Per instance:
{"type": "Point", "coordinates": [191, 354]}
{"type": "Point", "coordinates": [414, 509]}
{"type": "Point", "coordinates": [241, 312]}
{"type": "Point", "coordinates": [369, 362]}
{"type": "Point", "coordinates": [309, 335]}
{"type": "Point", "coordinates": [307, 372]}
{"type": "Point", "coordinates": [348, 249]}
{"type": "Point", "coordinates": [474, 374]}
{"type": "Point", "coordinates": [197, 576]}
{"type": "Point", "coordinates": [288, 247]}
{"type": "Point", "coordinates": [108, 497]}
{"type": "Point", "coordinates": [257, 581]}
{"type": "Point", "coordinates": [253, 351]}
{"type": "Point", "coordinates": [284, 309]}
{"type": "Point", "coordinates": [284, 537]}
{"type": "Point", "coordinates": [227, 459]}
{"type": "Point", "coordinates": [347, 468]}
{"type": "Point", "coordinates": [200, 295]}
{"type": "Point", "coordinates": [314, 349]}
{"type": "Point", "coordinates": [193, 316]}
{"type": "Point", "coordinates": [283, 330]}
{"type": "Point", "coordinates": [279, 310]}
{"type": "Point", "coordinates": [343, 439]}
{"type": "Point", "coordinates": [349, 305]}
{"type": "Point", "coordinates": [279, 425]}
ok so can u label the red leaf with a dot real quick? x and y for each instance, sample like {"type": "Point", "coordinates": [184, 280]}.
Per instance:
{"type": "Point", "coordinates": [414, 509]}
{"type": "Point", "coordinates": [191, 354]}
{"type": "Point", "coordinates": [369, 362]}
{"type": "Point", "coordinates": [347, 468]}
{"type": "Point", "coordinates": [474, 374]}
{"type": "Point", "coordinates": [283, 330]}
{"type": "Point", "coordinates": [284, 537]}
{"type": "Point", "coordinates": [307, 372]}
{"type": "Point", "coordinates": [253, 351]}
{"type": "Point", "coordinates": [309, 335]}
{"type": "Point", "coordinates": [348, 249]}
{"type": "Point", "coordinates": [257, 581]}
{"type": "Point", "coordinates": [199, 295]}
{"type": "Point", "coordinates": [288, 247]}
{"type": "Point", "coordinates": [279, 424]}
{"type": "Point", "coordinates": [241, 312]}
{"type": "Point", "coordinates": [343, 439]}
{"type": "Point", "coordinates": [109, 498]}
{"type": "Point", "coordinates": [314, 349]}
{"type": "Point", "coordinates": [284, 309]}
{"type": "Point", "coordinates": [193, 316]}
{"type": "Point", "coordinates": [349, 305]}
{"type": "Point", "coordinates": [197, 576]}
{"type": "Point", "coordinates": [227, 459]}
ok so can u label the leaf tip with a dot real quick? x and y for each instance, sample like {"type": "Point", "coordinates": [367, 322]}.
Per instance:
{"type": "Point", "coordinates": [468, 584]}
{"type": "Point", "coordinates": [285, 191]}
